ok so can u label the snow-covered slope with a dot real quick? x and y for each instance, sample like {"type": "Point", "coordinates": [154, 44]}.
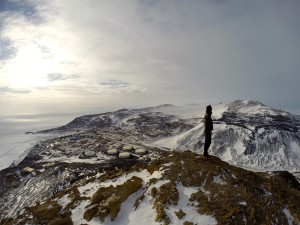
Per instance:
{"type": "Point", "coordinates": [247, 134]}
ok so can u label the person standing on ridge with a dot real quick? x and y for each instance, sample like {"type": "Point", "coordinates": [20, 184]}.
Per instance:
{"type": "Point", "coordinates": [208, 127]}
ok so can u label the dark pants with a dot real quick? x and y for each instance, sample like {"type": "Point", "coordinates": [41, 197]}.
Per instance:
{"type": "Point", "coordinates": [207, 142]}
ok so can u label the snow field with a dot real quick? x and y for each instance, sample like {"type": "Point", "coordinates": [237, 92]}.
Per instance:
{"type": "Point", "coordinates": [126, 215]}
{"type": "Point", "coordinates": [144, 213]}
{"type": "Point", "coordinates": [191, 214]}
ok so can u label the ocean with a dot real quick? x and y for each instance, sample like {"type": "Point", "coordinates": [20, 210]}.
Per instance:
{"type": "Point", "coordinates": [14, 143]}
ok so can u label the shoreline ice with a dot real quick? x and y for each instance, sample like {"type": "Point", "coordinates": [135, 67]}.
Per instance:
{"type": "Point", "coordinates": [15, 144]}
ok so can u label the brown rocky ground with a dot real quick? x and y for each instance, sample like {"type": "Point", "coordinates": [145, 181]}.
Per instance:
{"type": "Point", "coordinates": [229, 194]}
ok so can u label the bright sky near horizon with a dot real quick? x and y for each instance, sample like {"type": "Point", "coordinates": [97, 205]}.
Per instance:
{"type": "Point", "coordinates": [62, 56]}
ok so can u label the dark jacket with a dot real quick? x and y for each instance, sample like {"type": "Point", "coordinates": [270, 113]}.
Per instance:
{"type": "Point", "coordinates": [208, 123]}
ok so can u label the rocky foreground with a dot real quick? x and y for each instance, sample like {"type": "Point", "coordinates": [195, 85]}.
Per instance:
{"type": "Point", "coordinates": [176, 188]}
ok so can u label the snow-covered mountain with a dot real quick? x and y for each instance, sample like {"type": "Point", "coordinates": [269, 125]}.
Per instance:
{"type": "Point", "coordinates": [246, 133]}
{"type": "Point", "coordinates": [137, 166]}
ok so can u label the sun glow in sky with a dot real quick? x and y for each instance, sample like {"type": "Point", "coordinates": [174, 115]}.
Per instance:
{"type": "Point", "coordinates": [91, 55]}
{"type": "Point", "coordinates": [28, 67]}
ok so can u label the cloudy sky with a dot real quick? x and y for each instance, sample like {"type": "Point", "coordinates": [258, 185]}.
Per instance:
{"type": "Point", "coordinates": [94, 55]}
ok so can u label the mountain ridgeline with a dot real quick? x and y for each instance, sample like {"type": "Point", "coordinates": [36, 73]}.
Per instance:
{"type": "Point", "coordinates": [246, 133]}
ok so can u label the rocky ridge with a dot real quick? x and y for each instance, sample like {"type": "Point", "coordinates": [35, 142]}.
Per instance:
{"type": "Point", "coordinates": [177, 188]}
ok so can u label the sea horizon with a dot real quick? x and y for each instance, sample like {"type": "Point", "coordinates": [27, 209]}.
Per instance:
{"type": "Point", "coordinates": [14, 142]}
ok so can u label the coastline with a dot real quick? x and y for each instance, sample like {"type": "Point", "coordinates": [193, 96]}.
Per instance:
{"type": "Point", "coordinates": [15, 143]}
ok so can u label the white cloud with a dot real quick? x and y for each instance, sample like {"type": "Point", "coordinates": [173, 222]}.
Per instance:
{"type": "Point", "coordinates": [166, 51]}
{"type": "Point", "coordinates": [4, 90]}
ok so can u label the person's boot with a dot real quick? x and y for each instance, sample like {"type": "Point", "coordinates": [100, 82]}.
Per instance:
{"type": "Point", "coordinates": [203, 157]}
{"type": "Point", "coordinates": [207, 155]}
